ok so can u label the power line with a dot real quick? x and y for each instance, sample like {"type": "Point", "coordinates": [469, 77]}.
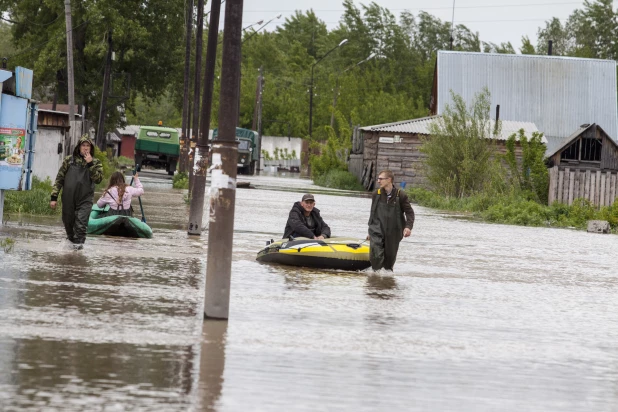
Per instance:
{"type": "Point", "coordinates": [431, 8]}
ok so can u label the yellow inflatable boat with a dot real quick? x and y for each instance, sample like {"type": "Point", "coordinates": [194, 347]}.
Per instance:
{"type": "Point", "coordinates": [335, 253]}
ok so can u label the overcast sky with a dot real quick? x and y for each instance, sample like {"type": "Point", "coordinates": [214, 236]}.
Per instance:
{"type": "Point", "coordinates": [496, 20]}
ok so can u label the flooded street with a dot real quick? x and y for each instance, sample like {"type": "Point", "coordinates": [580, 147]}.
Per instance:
{"type": "Point", "coordinates": [477, 317]}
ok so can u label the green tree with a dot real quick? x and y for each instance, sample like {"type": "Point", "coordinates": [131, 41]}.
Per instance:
{"type": "Point", "coordinates": [459, 149]}
{"type": "Point", "coordinates": [147, 41]}
{"type": "Point", "coordinates": [526, 46]}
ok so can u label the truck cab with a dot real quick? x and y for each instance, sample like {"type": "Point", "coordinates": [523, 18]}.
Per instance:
{"type": "Point", "coordinates": [247, 150]}
{"type": "Point", "coordinates": [157, 146]}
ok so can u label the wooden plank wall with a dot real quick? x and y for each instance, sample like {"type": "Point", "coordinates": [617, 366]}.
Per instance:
{"type": "Point", "coordinates": [567, 184]}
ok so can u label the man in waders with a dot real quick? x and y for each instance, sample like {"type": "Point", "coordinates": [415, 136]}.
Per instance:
{"type": "Point", "coordinates": [76, 178]}
{"type": "Point", "coordinates": [391, 219]}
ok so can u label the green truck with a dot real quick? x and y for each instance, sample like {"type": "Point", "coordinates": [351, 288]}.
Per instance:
{"type": "Point", "coordinates": [157, 146]}
{"type": "Point", "coordinates": [248, 155]}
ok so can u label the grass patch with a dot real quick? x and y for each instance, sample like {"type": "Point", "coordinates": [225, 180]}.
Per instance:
{"type": "Point", "coordinates": [338, 179]}
{"type": "Point", "coordinates": [7, 244]}
{"type": "Point", "coordinates": [180, 181]}
{"type": "Point", "coordinates": [34, 201]}
{"type": "Point", "coordinates": [125, 161]}
{"type": "Point", "coordinates": [518, 209]}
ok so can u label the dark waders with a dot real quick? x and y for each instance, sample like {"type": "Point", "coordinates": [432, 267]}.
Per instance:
{"type": "Point", "coordinates": [77, 198]}
{"type": "Point", "coordinates": [385, 231]}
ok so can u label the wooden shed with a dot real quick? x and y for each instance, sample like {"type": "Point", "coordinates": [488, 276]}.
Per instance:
{"type": "Point", "coordinates": [585, 165]}
{"type": "Point", "coordinates": [396, 147]}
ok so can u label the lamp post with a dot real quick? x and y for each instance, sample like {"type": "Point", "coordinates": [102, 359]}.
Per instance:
{"type": "Point", "coordinates": [344, 41]}
{"type": "Point", "coordinates": [332, 115]}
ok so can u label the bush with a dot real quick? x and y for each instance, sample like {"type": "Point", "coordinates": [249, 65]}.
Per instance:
{"type": "Point", "coordinates": [180, 181]}
{"type": "Point", "coordinates": [34, 201]}
{"type": "Point", "coordinates": [339, 179]}
{"type": "Point", "coordinates": [460, 149]}
{"type": "Point", "coordinates": [125, 161]}
{"type": "Point", "coordinates": [334, 153]}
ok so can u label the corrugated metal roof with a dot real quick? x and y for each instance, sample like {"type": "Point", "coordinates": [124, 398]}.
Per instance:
{"type": "Point", "coordinates": [113, 137]}
{"type": "Point", "coordinates": [421, 126]}
{"type": "Point", "coordinates": [128, 130]}
{"type": "Point", "coordinates": [556, 93]}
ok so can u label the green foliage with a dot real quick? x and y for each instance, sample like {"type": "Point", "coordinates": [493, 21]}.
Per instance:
{"type": "Point", "coordinates": [180, 181]}
{"type": "Point", "coordinates": [34, 201]}
{"type": "Point", "coordinates": [125, 161]}
{"type": "Point", "coordinates": [7, 244]}
{"type": "Point", "coordinates": [530, 174]}
{"type": "Point", "coordinates": [108, 167]}
{"type": "Point", "coordinates": [514, 208]}
{"type": "Point", "coordinates": [334, 153]}
{"type": "Point", "coordinates": [339, 179]}
{"type": "Point", "coordinates": [149, 111]}
{"type": "Point", "coordinates": [147, 41]}
{"type": "Point", "coordinates": [459, 152]}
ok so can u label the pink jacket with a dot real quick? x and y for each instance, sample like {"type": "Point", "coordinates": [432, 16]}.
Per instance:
{"type": "Point", "coordinates": [129, 192]}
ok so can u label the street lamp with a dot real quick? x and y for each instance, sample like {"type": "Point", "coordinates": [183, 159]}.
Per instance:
{"type": "Point", "coordinates": [344, 41]}
{"type": "Point", "coordinates": [332, 115]}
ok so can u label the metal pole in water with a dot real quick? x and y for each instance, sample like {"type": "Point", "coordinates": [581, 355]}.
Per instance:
{"type": "Point", "coordinates": [223, 175]}
{"type": "Point", "coordinates": [196, 212]}
{"type": "Point", "coordinates": [1, 205]}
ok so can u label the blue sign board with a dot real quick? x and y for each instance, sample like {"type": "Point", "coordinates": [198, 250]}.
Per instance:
{"type": "Point", "coordinates": [13, 135]}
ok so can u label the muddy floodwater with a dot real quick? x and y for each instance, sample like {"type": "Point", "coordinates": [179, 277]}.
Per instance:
{"type": "Point", "coordinates": [476, 317]}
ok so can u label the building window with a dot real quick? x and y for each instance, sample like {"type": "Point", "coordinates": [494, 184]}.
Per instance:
{"type": "Point", "coordinates": [591, 150]}
{"type": "Point", "coordinates": [571, 152]}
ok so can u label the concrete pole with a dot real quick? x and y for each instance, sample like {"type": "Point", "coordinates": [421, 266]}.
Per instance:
{"type": "Point", "coordinates": [70, 77]}
{"type": "Point", "coordinates": [258, 145]}
{"type": "Point", "coordinates": [182, 163]}
{"type": "Point", "coordinates": [223, 175]}
{"type": "Point", "coordinates": [196, 211]}
{"type": "Point", "coordinates": [196, 90]}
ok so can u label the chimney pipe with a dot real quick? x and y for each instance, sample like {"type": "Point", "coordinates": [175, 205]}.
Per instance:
{"type": "Point", "coordinates": [549, 51]}
{"type": "Point", "coordinates": [497, 112]}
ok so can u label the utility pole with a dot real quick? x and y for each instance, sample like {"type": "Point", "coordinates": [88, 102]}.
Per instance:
{"type": "Point", "coordinates": [223, 175]}
{"type": "Point", "coordinates": [69, 26]}
{"type": "Point", "coordinates": [100, 138]}
{"type": "Point", "coordinates": [196, 211]}
{"type": "Point", "coordinates": [182, 164]}
{"type": "Point", "coordinates": [196, 89]}
{"type": "Point", "coordinates": [259, 118]}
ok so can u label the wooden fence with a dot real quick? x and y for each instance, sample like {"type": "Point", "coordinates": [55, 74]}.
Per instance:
{"type": "Point", "coordinates": [567, 184]}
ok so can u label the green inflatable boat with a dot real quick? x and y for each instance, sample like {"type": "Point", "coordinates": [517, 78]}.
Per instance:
{"type": "Point", "coordinates": [123, 226]}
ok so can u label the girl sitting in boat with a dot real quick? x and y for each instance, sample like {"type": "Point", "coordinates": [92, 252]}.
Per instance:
{"type": "Point", "coordinates": [118, 195]}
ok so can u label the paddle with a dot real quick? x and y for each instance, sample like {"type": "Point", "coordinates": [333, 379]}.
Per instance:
{"type": "Point", "coordinates": [139, 197]}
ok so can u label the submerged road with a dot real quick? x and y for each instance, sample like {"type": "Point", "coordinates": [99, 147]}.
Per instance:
{"type": "Point", "coordinates": [476, 317]}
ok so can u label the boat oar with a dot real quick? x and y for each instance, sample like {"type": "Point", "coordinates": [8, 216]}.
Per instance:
{"type": "Point", "coordinates": [139, 198]}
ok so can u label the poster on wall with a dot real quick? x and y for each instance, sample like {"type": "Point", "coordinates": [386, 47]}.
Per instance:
{"type": "Point", "coordinates": [13, 114]}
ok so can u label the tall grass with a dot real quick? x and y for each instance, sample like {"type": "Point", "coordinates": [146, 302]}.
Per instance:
{"type": "Point", "coordinates": [34, 201]}
{"type": "Point", "coordinates": [338, 179]}
{"type": "Point", "coordinates": [517, 208]}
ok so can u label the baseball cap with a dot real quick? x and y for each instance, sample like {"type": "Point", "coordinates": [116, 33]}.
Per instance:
{"type": "Point", "coordinates": [308, 197]}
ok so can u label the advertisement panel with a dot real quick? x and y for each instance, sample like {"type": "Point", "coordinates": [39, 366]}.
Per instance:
{"type": "Point", "coordinates": [13, 115]}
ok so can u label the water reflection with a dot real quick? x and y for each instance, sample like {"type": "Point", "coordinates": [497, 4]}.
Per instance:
{"type": "Point", "coordinates": [212, 363]}
{"type": "Point", "coordinates": [381, 286]}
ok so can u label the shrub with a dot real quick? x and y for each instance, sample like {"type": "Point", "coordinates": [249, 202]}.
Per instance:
{"type": "Point", "coordinates": [530, 174]}
{"type": "Point", "coordinates": [333, 155]}
{"type": "Point", "coordinates": [125, 161]}
{"type": "Point", "coordinates": [460, 149]}
{"type": "Point", "coordinates": [180, 181]}
{"type": "Point", "coordinates": [339, 179]}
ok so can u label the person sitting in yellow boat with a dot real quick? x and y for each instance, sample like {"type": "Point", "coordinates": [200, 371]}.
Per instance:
{"type": "Point", "coordinates": [305, 221]}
